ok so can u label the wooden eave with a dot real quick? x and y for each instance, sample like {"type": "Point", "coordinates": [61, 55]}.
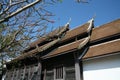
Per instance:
{"type": "Point", "coordinates": [103, 49]}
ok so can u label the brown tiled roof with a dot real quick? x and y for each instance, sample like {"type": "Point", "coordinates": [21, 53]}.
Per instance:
{"type": "Point", "coordinates": [69, 34]}
{"type": "Point", "coordinates": [76, 44]}
{"type": "Point", "coordinates": [65, 48]}
{"type": "Point", "coordinates": [104, 48]}
{"type": "Point", "coordinates": [106, 30]}
{"type": "Point", "coordinates": [109, 29]}
{"type": "Point", "coordinates": [75, 32]}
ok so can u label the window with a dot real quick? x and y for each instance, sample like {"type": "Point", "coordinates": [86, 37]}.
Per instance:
{"type": "Point", "coordinates": [59, 73]}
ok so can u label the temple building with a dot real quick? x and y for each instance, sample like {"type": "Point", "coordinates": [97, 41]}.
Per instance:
{"type": "Point", "coordinates": [83, 53]}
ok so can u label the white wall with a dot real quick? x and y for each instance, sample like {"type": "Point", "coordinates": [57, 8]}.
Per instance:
{"type": "Point", "coordinates": [104, 68]}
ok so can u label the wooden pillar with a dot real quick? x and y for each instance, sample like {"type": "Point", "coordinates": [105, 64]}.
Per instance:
{"type": "Point", "coordinates": [77, 70]}
{"type": "Point", "coordinates": [45, 71]}
{"type": "Point", "coordinates": [78, 67]}
{"type": "Point", "coordinates": [64, 74]}
{"type": "Point", "coordinates": [54, 74]}
{"type": "Point", "coordinates": [81, 69]}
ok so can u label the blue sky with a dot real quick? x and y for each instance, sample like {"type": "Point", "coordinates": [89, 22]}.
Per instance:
{"type": "Point", "coordinates": [105, 11]}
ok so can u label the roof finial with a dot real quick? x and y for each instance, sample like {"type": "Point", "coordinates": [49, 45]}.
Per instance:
{"type": "Point", "coordinates": [94, 16]}
{"type": "Point", "coordinates": [92, 19]}
{"type": "Point", "coordinates": [68, 22]}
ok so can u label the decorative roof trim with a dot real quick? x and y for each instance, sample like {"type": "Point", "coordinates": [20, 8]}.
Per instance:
{"type": "Point", "coordinates": [87, 40]}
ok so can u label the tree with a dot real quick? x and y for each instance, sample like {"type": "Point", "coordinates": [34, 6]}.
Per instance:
{"type": "Point", "coordinates": [20, 22]}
